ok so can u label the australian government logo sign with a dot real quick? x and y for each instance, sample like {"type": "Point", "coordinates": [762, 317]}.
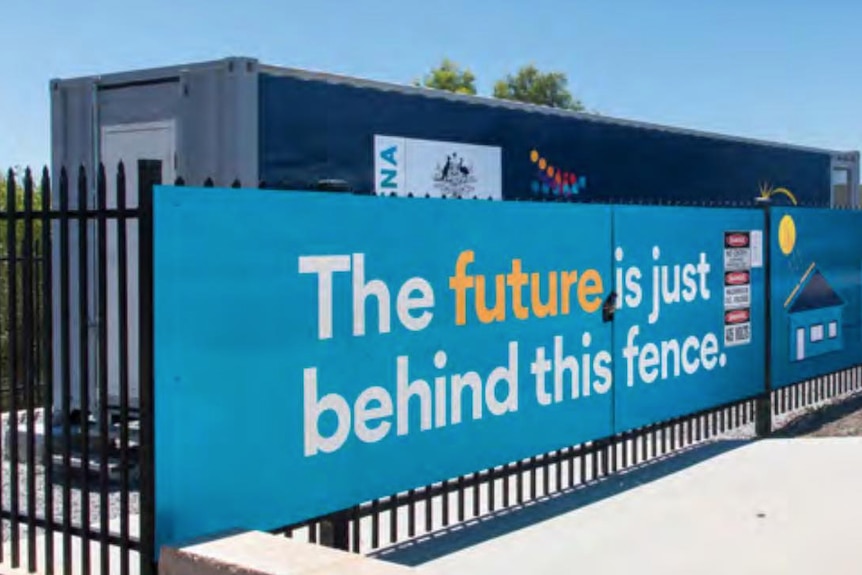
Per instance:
{"type": "Point", "coordinates": [314, 351]}
{"type": "Point", "coordinates": [431, 168]}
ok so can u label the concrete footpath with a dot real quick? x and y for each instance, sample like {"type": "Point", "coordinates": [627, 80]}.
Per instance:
{"type": "Point", "coordinates": [788, 506]}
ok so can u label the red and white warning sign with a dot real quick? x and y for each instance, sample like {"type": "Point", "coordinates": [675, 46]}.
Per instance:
{"type": "Point", "coordinates": [737, 251]}
{"type": "Point", "coordinates": [737, 288]}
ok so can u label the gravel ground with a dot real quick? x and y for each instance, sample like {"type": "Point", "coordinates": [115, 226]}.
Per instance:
{"type": "Point", "coordinates": [841, 419]}
{"type": "Point", "coordinates": [58, 501]}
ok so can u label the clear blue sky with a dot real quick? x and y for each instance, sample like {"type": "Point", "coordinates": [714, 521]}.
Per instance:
{"type": "Point", "coordinates": [784, 70]}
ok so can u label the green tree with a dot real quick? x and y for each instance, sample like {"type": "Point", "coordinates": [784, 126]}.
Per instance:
{"type": "Point", "coordinates": [533, 86]}
{"type": "Point", "coordinates": [450, 77]}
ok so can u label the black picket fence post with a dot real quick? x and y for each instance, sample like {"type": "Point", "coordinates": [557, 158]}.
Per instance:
{"type": "Point", "coordinates": [335, 530]}
{"type": "Point", "coordinates": [149, 174]}
{"type": "Point", "coordinates": [30, 375]}
{"type": "Point", "coordinates": [12, 355]}
{"type": "Point", "coordinates": [763, 404]}
{"type": "Point", "coordinates": [123, 365]}
{"type": "Point", "coordinates": [47, 366]}
{"type": "Point", "coordinates": [84, 355]}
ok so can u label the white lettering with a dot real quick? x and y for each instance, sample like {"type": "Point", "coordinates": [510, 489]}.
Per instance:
{"type": "Point", "coordinates": [602, 367]}
{"type": "Point", "coordinates": [510, 376]}
{"type": "Point", "coordinates": [666, 348]}
{"type": "Point", "coordinates": [562, 365]}
{"type": "Point", "coordinates": [635, 295]}
{"type": "Point", "coordinates": [691, 343]}
{"type": "Point", "coordinates": [709, 351]}
{"type": "Point", "coordinates": [365, 414]}
{"type": "Point", "coordinates": [649, 359]}
{"type": "Point", "coordinates": [361, 291]}
{"type": "Point", "coordinates": [314, 441]}
{"type": "Point", "coordinates": [703, 269]}
{"type": "Point", "coordinates": [630, 352]}
{"type": "Point", "coordinates": [407, 389]}
{"type": "Point", "coordinates": [324, 267]}
{"type": "Point", "coordinates": [539, 368]}
{"type": "Point", "coordinates": [472, 380]}
{"type": "Point", "coordinates": [406, 304]}
{"type": "Point", "coordinates": [689, 293]}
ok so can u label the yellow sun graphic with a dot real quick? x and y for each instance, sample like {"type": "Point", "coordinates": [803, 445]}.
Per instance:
{"type": "Point", "coordinates": [787, 234]}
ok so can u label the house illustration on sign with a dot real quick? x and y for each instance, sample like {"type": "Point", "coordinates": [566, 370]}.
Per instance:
{"type": "Point", "coordinates": [816, 312]}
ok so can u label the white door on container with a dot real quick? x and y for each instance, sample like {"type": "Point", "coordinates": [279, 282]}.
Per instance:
{"type": "Point", "coordinates": [800, 343]}
{"type": "Point", "coordinates": [139, 147]}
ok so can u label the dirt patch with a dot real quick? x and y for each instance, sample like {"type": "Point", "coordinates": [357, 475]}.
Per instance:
{"type": "Point", "coordinates": [842, 419]}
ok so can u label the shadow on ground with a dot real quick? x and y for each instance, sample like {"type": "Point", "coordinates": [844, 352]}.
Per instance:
{"type": "Point", "coordinates": [819, 418]}
{"type": "Point", "coordinates": [465, 535]}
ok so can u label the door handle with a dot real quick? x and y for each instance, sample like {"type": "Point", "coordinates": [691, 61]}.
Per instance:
{"type": "Point", "coordinates": [609, 308]}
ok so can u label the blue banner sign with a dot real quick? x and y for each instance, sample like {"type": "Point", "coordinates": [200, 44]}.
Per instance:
{"type": "Point", "coordinates": [817, 292]}
{"type": "Point", "coordinates": [314, 351]}
{"type": "Point", "coordinates": [689, 334]}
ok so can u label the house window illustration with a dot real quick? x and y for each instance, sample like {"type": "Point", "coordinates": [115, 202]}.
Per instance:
{"type": "Point", "coordinates": [816, 332]}
{"type": "Point", "coordinates": [815, 311]}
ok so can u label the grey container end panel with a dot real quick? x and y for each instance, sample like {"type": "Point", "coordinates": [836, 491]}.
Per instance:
{"type": "Point", "coordinates": [214, 105]}
{"type": "Point", "coordinates": [218, 131]}
{"type": "Point", "coordinates": [209, 114]}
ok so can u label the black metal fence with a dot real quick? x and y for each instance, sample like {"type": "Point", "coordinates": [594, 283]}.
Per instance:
{"type": "Point", "coordinates": [77, 478]}
{"type": "Point", "coordinates": [374, 525]}
{"type": "Point", "coordinates": [77, 461]}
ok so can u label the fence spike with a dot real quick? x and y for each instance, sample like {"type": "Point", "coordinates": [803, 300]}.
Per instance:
{"type": "Point", "coordinates": [208, 183]}
{"type": "Point", "coordinates": [64, 186]}
{"type": "Point", "coordinates": [179, 181]}
{"type": "Point", "coordinates": [46, 189]}
{"type": "Point", "coordinates": [28, 191]}
{"type": "Point", "coordinates": [102, 187]}
{"type": "Point", "coordinates": [10, 179]}
{"type": "Point", "coordinates": [101, 181]}
{"type": "Point", "coordinates": [82, 188]}
{"type": "Point", "coordinates": [122, 196]}
{"type": "Point", "coordinates": [236, 184]}
{"type": "Point", "coordinates": [121, 185]}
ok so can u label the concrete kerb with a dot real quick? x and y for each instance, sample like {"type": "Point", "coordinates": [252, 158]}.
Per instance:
{"type": "Point", "coordinates": [258, 553]}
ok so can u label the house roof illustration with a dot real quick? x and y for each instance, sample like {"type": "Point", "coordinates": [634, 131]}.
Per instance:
{"type": "Point", "coordinates": [812, 292]}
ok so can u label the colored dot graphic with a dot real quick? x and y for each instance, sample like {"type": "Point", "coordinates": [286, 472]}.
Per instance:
{"type": "Point", "coordinates": [553, 180]}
